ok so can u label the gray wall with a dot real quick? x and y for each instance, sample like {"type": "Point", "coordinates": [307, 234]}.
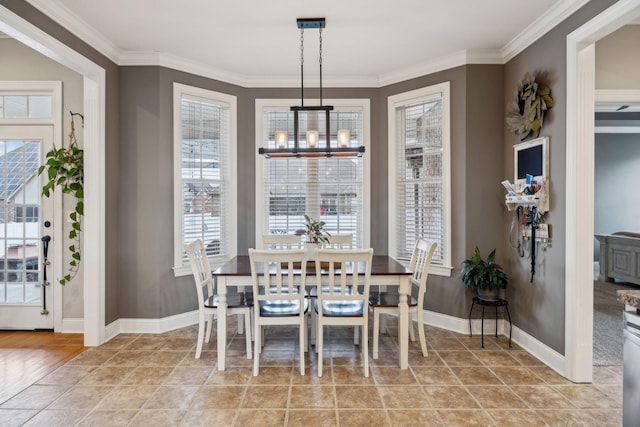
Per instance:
{"type": "Point", "coordinates": [617, 162]}
{"type": "Point", "coordinates": [538, 308]}
{"type": "Point", "coordinates": [148, 288]}
{"type": "Point", "coordinates": [21, 63]}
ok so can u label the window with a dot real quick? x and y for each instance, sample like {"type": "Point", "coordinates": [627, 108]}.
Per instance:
{"type": "Point", "coordinates": [419, 172]}
{"type": "Point", "coordinates": [27, 214]}
{"type": "Point", "coordinates": [334, 190]}
{"type": "Point", "coordinates": [204, 159]}
{"type": "Point", "coordinates": [26, 106]}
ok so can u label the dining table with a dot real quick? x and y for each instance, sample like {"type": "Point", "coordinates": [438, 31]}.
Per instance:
{"type": "Point", "coordinates": [385, 271]}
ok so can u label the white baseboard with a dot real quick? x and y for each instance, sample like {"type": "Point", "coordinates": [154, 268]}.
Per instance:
{"type": "Point", "coordinates": [72, 326]}
{"type": "Point", "coordinates": [546, 354]}
{"type": "Point", "coordinates": [151, 326]}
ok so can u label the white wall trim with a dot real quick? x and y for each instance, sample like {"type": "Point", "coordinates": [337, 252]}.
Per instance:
{"type": "Point", "coordinates": [78, 27]}
{"type": "Point", "coordinates": [230, 171]}
{"type": "Point", "coordinates": [151, 326]}
{"type": "Point", "coordinates": [72, 326]}
{"type": "Point", "coordinates": [440, 91]}
{"type": "Point", "coordinates": [265, 103]}
{"type": "Point", "coordinates": [541, 26]}
{"type": "Point", "coordinates": [579, 185]}
{"type": "Point", "coordinates": [536, 348]}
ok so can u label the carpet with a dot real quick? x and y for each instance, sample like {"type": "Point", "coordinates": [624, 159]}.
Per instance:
{"type": "Point", "coordinates": [607, 323]}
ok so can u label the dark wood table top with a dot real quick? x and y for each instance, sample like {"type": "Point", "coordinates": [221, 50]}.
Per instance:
{"type": "Point", "coordinates": [382, 265]}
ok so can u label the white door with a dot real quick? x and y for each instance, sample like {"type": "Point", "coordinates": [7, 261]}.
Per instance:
{"type": "Point", "coordinates": [25, 221]}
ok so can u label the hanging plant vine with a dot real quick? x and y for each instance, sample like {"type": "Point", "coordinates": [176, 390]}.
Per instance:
{"type": "Point", "coordinates": [65, 169]}
{"type": "Point", "coordinates": [531, 100]}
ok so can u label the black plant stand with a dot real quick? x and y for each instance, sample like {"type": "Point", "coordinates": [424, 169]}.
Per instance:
{"type": "Point", "coordinates": [490, 303]}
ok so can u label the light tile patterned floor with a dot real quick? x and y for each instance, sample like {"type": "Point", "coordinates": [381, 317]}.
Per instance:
{"type": "Point", "coordinates": [154, 380]}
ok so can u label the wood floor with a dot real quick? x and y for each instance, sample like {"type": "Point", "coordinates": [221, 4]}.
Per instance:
{"type": "Point", "coordinates": [27, 356]}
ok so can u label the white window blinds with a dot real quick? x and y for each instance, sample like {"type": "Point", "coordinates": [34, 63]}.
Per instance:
{"type": "Point", "coordinates": [419, 158]}
{"type": "Point", "coordinates": [419, 196]}
{"type": "Point", "coordinates": [327, 188]}
{"type": "Point", "coordinates": [204, 168]}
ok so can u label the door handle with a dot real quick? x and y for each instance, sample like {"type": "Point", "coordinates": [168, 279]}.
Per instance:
{"type": "Point", "coordinates": [45, 251]}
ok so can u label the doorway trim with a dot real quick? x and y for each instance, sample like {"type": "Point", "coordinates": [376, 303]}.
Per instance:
{"type": "Point", "coordinates": [94, 150]}
{"type": "Point", "coordinates": [579, 188]}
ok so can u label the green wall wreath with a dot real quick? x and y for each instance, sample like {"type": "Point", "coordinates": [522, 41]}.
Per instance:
{"type": "Point", "coordinates": [531, 100]}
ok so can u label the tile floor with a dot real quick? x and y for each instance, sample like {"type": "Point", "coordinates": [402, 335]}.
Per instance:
{"type": "Point", "coordinates": [154, 380]}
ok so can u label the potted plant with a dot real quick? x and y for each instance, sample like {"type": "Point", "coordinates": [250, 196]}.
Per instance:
{"type": "Point", "coordinates": [64, 169]}
{"type": "Point", "coordinates": [315, 235]}
{"type": "Point", "coordinates": [484, 275]}
{"type": "Point", "coordinates": [314, 230]}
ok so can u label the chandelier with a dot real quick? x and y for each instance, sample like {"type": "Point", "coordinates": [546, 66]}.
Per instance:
{"type": "Point", "coordinates": [311, 146]}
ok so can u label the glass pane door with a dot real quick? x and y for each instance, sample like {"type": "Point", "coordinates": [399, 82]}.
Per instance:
{"type": "Point", "coordinates": [22, 294]}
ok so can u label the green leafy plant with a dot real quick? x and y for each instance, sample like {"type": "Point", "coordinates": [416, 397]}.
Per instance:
{"type": "Point", "coordinates": [531, 100]}
{"type": "Point", "coordinates": [477, 273]}
{"type": "Point", "coordinates": [315, 230]}
{"type": "Point", "coordinates": [65, 169]}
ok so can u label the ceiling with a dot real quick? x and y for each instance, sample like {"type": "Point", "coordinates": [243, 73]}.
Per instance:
{"type": "Point", "coordinates": [256, 42]}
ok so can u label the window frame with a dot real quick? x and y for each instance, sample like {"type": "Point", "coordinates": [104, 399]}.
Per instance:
{"type": "Point", "coordinates": [270, 103]}
{"type": "Point", "coordinates": [440, 91]}
{"type": "Point", "coordinates": [229, 180]}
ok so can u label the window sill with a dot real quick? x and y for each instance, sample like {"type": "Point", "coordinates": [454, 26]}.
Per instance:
{"type": "Point", "coordinates": [440, 270]}
{"type": "Point", "coordinates": [182, 271]}
{"type": "Point", "coordinates": [185, 270]}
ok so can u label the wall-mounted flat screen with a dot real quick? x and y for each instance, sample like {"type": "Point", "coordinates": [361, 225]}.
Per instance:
{"type": "Point", "coordinates": [531, 158]}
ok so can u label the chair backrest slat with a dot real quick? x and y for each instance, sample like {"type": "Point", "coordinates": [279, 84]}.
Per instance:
{"type": "Point", "coordinates": [278, 274]}
{"type": "Point", "coordinates": [281, 241]}
{"type": "Point", "coordinates": [200, 268]}
{"type": "Point", "coordinates": [339, 241]}
{"type": "Point", "coordinates": [344, 272]}
{"type": "Point", "coordinates": [420, 264]}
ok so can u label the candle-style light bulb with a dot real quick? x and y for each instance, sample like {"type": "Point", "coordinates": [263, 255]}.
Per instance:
{"type": "Point", "coordinates": [343, 137]}
{"type": "Point", "coordinates": [281, 138]}
{"type": "Point", "coordinates": [312, 138]}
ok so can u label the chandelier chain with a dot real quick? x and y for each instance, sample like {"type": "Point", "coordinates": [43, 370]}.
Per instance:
{"type": "Point", "coordinates": [301, 46]}
{"type": "Point", "coordinates": [320, 46]}
{"type": "Point", "coordinates": [302, 66]}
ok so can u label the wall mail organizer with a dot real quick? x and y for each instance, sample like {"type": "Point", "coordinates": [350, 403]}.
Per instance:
{"type": "Point", "coordinates": [529, 196]}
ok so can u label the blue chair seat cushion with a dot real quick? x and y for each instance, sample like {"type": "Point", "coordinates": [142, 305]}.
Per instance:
{"type": "Point", "coordinates": [282, 308]}
{"type": "Point", "coordinates": [333, 308]}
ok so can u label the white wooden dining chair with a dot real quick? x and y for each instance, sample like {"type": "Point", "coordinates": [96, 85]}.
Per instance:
{"type": "Point", "coordinates": [281, 241]}
{"type": "Point", "coordinates": [238, 303]}
{"type": "Point", "coordinates": [344, 305]}
{"type": "Point", "coordinates": [277, 277]}
{"type": "Point", "coordinates": [382, 302]}
{"type": "Point", "coordinates": [335, 241]}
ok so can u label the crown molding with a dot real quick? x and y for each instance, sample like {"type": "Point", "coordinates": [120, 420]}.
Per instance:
{"type": "Point", "coordinates": [443, 63]}
{"type": "Point", "coordinates": [552, 17]}
{"type": "Point", "coordinates": [538, 28]}
{"type": "Point", "coordinates": [484, 56]}
{"type": "Point", "coordinates": [178, 63]}
{"type": "Point", "coordinates": [75, 24]}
